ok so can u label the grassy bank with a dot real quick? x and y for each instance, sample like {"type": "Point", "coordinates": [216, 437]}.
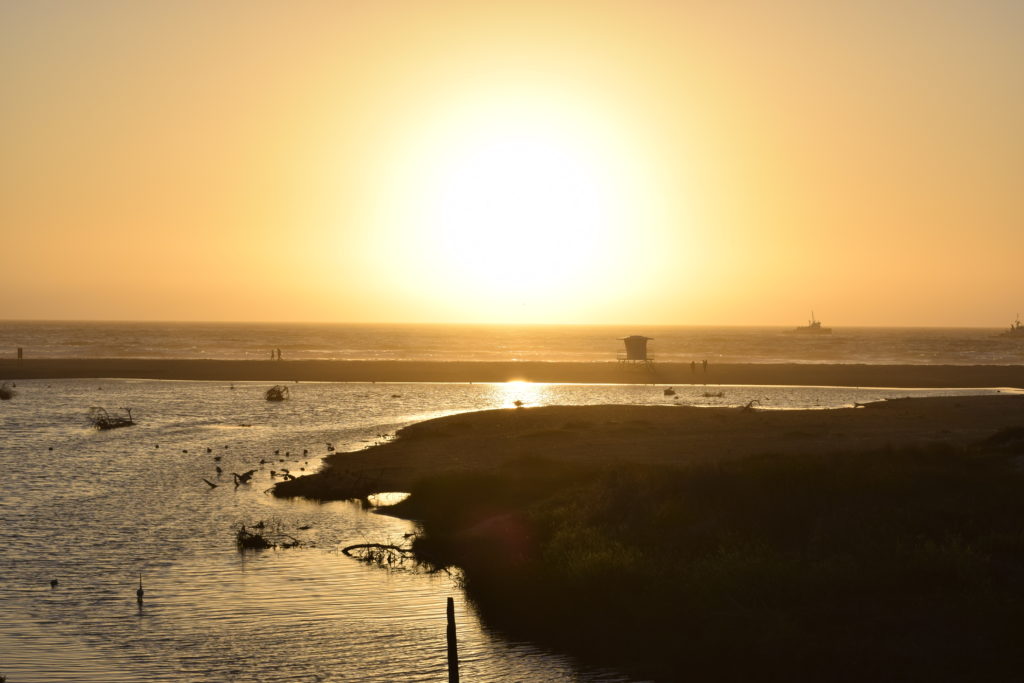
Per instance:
{"type": "Point", "coordinates": [893, 564]}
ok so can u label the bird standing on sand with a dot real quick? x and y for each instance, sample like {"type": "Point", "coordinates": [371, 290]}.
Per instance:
{"type": "Point", "coordinates": [53, 583]}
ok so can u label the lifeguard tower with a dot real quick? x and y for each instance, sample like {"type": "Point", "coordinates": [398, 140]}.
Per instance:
{"type": "Point", "coordinates": [636, 350]}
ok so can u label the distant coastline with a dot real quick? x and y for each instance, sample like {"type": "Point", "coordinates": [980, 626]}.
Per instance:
{"type": "Point", "coordinates": [796, 374]}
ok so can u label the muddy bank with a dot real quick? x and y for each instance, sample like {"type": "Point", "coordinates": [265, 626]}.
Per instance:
{"type": "Point", "coordinates": [665, 435]}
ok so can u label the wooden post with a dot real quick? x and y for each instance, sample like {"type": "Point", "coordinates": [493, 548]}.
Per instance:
{"type": "Point", "coordinates": [453, 645]}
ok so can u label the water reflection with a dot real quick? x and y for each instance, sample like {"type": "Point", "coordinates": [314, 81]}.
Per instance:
{"type": "Point", "coordinates": [101, 506]}
{"type": "Point", "coordinates": [519, 393]}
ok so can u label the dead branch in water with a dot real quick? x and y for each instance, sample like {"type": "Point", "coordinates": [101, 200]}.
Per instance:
{"type": "Point", "coordinates": [278, 392]}
{"type": "Point", "coordinates": [380, 554]}
{"type": "Point", "coordinates": [101, 419]}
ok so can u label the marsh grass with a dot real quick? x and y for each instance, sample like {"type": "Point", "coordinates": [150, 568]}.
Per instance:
{"type": "Point", "coordinates": [900, 564]}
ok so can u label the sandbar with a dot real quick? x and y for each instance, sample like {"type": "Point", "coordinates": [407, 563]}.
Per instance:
{"type": "Point", "coordinates": [795, 374]}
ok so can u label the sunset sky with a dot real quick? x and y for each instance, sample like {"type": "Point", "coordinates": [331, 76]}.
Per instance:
{"type": "Point", "coordinates": [701, 162]}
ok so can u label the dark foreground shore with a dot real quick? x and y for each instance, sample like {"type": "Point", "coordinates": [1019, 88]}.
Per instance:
{"type": "Point", "coordinates": [924, 376]}
{"type": "Point", "coordinates": [675, 543]}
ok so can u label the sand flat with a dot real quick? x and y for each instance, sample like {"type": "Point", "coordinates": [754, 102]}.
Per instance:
{"type": "Point", "coordinates": [668, 435]}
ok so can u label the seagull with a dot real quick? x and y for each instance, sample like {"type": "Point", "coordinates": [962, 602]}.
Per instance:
{"type": "Point", "coordinates": [211, 484]}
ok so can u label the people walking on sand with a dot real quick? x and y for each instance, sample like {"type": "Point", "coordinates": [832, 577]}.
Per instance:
{"type": "Point", "coordinates": [705, 365]}
{"type": "Point", "coordinates": [693, 366]}
{"type": "Point", "coordinates": [279, 354]}
{"type": "Point", "coordinates": [271, 354]}
{"type": "Point", "coordinates": [21, 354]}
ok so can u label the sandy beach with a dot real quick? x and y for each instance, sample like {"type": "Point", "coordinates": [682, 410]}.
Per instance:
{"type": "Point", "coordinates": [922, 376]}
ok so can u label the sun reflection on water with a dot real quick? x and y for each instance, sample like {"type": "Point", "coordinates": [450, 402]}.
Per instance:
{"type": "Point", "coordinates": [518, 393]}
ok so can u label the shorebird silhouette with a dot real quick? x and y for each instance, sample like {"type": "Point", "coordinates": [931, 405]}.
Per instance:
{"type": "Point", "coordinates": [210, 483]}
{"type": "Point", "coordinates": [243, 478]}
{"type": "Point", "coordinates": [219, 470]}
{"type": "Point", "coordinates": [53, 583]}
{"type": "Point", "coordinates": [139, 593]}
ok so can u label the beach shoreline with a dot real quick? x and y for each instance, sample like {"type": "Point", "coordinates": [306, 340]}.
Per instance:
{"type": "Point", "coordinates": [767, 374]}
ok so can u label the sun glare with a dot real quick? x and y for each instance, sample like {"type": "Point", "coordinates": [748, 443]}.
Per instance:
{"type": "Point", "coordinates": [515, 199]}
{"type": "Point", "coordinates": [520, 209]}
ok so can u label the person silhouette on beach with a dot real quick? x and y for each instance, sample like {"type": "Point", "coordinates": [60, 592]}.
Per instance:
{"type": "Point", "coordinates": [279, 354]}
{"type": "Point", "coordinates": [705, 365]}
{"type": "Point", "coordinates": [693, 366]}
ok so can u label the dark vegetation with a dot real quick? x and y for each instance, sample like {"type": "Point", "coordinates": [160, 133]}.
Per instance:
{"type": "Point", "coordinates": [899, 565]}
{"type": "Point", "coordinates": [6, 392]}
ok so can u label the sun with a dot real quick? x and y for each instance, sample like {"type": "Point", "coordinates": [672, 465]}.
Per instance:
{"type": "Point", "coordinates": [515, 205]}
{"type": "Point", "coordinates": [520, 208]}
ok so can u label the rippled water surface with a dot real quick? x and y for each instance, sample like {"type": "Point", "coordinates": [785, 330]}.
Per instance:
{"type": "Point", "coordinates": [93, 509]}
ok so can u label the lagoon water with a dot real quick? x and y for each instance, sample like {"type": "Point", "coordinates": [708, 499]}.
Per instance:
{"type": "Point", "coordinates": [100, 507]}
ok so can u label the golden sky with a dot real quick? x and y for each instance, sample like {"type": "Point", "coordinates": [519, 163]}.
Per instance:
{"type": "Point", "coordinates": [703, 162]}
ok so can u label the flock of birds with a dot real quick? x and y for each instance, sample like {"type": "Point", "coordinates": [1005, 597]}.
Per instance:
{"type": "Point", "coordinates": [239, 478]}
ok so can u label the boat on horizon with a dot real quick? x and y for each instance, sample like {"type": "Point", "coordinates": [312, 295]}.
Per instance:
{"type": "Point", "coordinates": [813, 326]}
{"type": "Point", "coordinates": [1016, 329]}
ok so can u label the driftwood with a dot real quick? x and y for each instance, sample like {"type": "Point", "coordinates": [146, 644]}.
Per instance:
{"type": "Point", "coordinates": [380, 554]}
{"type": "Point", "coordinates": [278, 392]}
{"type": "Point", "coordinates": [101, 419]}
{"type": "Point", "coordinates": [258, 537]}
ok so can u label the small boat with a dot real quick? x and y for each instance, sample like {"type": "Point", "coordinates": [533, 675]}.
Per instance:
{"type": "Point", "coordinates": [813, 327]}
{"type": "Point", "coordinates": [1016, 329]}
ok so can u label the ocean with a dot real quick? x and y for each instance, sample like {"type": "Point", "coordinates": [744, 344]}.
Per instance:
{"type": "Point", "coordinates": [870, 345]}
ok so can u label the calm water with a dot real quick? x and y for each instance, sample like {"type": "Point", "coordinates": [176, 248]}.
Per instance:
{"type": "Point", "coordinates": [102, 506]}
{"type": "Point", "coordinates": [967, 346]}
